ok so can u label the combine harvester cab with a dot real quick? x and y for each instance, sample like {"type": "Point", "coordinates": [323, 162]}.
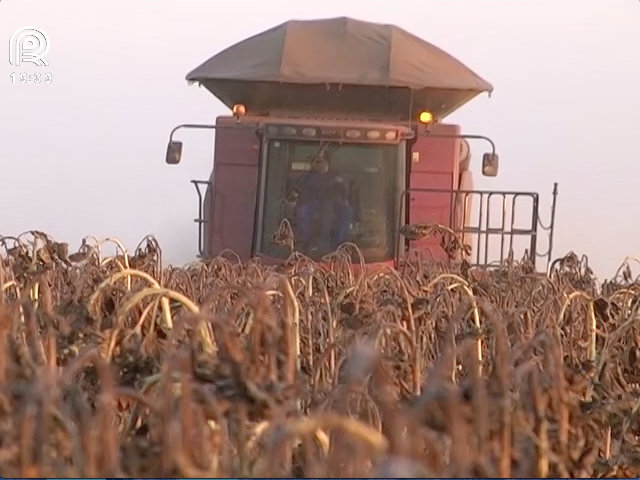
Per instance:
{"type": "Point", "coordinates": [365, 101]}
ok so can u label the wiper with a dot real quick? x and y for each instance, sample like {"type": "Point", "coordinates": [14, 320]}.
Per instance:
{"type": "Point", "coordinates": [323, 148]}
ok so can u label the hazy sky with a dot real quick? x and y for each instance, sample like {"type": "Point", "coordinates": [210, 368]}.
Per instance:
{"type": "Point", "coordinates": [85, 153]}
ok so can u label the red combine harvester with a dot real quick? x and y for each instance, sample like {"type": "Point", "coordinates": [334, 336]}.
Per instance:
{"type": "Point", "coordinates": [336, 130]}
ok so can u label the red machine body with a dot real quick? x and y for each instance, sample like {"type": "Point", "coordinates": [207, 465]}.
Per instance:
{"type": "Point", "coordinates": [231, 206]}
{"type": "Point", "coordinates": [368, 114]}
{"type": "Point", "coordinates": [434, 170]}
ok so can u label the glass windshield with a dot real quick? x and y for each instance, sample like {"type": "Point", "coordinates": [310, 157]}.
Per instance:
{"type": "Point", "coordinates": [332, 194]}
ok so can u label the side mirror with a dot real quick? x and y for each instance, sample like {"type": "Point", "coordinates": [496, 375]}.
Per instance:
{"type": "Point", "coordinates": [490, 163]}
{"type": "Point", "coordinates": [174, 153]}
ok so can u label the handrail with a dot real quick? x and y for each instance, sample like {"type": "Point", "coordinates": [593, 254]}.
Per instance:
{"type": "Point", "coordinates": [482, 227]}
{"type": "Point", "coordinates": [201, 221]}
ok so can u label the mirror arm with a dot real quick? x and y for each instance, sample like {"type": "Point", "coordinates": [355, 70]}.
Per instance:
{"type": "Point", "coordinates": [191, 126]}
{"type": "Point", "coordinates": [481, 137]}
{"type": "Point", "coordinates": [259, 131]}
{"type": "Point", "coordinates": [204, 126]}
{"type": "Point", "coordinates": [465, 136]}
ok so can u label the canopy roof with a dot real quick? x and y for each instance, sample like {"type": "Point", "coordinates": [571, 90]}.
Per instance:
{"type": "Point", "coordinates": [290, 65]}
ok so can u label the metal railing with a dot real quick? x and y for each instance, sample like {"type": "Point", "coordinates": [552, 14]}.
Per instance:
{"type": "Point", "coordinates": [486, 223]}
{"type": "Point", "coordinates": [480, 222]}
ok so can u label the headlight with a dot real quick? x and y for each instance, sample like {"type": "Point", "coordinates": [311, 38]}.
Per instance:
{"type": "Point", "coordinates": [373, 134]}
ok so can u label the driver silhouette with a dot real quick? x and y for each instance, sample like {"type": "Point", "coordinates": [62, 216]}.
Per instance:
{"type": "Point", "coordinates": [323, 192]}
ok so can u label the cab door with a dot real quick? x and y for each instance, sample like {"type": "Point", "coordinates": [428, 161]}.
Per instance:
{"type": "Point", "coordinates": [432, 181]}
{"type": "Point", "coordinates": [233, 193]}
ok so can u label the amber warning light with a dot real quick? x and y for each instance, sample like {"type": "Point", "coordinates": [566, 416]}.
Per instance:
{"type": "Point", "coordinates": [239, 111]}
{"type": "Point", "coordinates": [426, 117]}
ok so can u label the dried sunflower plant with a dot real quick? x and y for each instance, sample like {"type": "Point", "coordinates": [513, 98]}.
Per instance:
{"type": "Point", "coordinates": [117, 366]}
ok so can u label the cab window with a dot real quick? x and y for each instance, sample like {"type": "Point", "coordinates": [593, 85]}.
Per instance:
{"type": "Point", "coordinates": [331, 193]}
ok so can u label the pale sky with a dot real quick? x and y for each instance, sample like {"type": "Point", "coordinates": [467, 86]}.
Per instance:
{"type": "Point", "coordinates": [85, 153]}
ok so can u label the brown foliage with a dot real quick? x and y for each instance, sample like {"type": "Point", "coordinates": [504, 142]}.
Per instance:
{"type": "Point", "coordinates": [119, 367]}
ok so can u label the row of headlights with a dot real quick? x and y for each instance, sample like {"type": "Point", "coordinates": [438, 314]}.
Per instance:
{"type": "Point", "coordinates": [312, 132]}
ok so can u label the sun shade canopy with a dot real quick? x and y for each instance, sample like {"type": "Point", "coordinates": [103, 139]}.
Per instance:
{"type": "Point", "coordinates": [339, 64]}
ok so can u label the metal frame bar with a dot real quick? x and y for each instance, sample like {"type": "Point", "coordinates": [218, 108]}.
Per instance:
{"type": "Point", "coordinates": [201, 221]}
{"type": "Point", "coordinates": [204, 126]}
{"type": "Point", "coordinates": [466, 136]}
{"type": "Point", "coordinates": [482, 228]}
{"type": "Point", "coordinates": [258, 229]}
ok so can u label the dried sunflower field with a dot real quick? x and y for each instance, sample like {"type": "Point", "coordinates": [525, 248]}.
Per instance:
{"type": "Point", "coordinates": [119, 366]}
